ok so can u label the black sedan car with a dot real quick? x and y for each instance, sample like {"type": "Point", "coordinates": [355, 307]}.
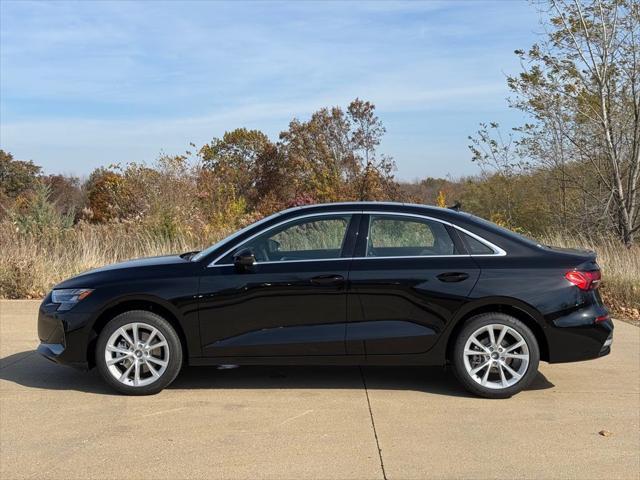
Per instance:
{"type": "Point", "coordinates": [340, 284]}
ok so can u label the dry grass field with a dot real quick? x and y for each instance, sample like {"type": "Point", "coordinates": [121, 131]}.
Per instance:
{"type": "Point", "coordinates": [30, 265]}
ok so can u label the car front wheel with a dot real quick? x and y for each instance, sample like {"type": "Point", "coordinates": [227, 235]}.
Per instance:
{"type": "Point", "coordinates": [138, 353]}
{"type": "Point", "coordinates": [495, 355]}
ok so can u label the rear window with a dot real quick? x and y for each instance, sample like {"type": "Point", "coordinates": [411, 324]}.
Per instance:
{"type": "Point", "coordinates": [504, 231]}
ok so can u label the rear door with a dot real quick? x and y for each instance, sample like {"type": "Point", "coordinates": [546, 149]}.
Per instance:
{"type": "Point", "coordinates": [410, 275]}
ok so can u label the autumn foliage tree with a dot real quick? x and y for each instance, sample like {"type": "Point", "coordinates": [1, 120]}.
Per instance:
{"type": "Point", "coordinates": [331, 156]}
{"type": "Point", "coordinates": [334, 154]}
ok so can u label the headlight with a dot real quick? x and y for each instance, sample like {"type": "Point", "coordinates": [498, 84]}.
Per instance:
{"type": "Point", "coordinates": [68, 297]}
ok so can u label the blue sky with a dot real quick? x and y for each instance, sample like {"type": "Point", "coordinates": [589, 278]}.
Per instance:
{"type": "Point", "coordinates": [84, 84]}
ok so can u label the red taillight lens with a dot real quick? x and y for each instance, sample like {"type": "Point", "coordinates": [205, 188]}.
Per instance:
{"type": "Point", "coordinates": [584, 280]}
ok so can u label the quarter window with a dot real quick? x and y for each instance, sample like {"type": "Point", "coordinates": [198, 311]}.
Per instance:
{"type": "Point", "coordinates": [395, 236]}
{"type": "Point", "coordinates": [476, 247]}
{"type": "Point", "coordinates": [306, 239]}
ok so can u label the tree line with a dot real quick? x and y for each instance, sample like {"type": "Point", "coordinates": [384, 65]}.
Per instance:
{"type": "Point", "coordinates": [573, 167]}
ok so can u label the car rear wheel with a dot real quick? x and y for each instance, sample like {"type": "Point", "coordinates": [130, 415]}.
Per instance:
{"type": "Point", "coordinates": [495, 355]}
{"type": "Point", "coordinates": [138, 353]}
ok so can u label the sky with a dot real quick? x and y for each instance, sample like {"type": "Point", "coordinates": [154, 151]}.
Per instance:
{"type": "Point", "coordinates": [85, 84]}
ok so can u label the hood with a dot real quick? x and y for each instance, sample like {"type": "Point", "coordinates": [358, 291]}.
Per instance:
{"type": "Point", "coordinates": [137, 268]}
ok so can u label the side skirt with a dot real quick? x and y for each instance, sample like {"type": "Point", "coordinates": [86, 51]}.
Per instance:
{"type": "Point", "coordinates": [377, 360]}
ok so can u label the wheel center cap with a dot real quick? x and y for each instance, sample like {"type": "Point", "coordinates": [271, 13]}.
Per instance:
{"type": "Point", "coordinates": [138, 353]}
{"type": "Point", "coordinates": [495, 355]}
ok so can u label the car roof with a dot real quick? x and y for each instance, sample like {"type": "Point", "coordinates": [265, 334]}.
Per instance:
{"type": "Point", "coordinates": [502, 238]}
{"type": "Point", "coordinates": [373, 205]}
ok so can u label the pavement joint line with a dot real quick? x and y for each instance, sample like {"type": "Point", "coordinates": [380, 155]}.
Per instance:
{"type": "Point", "coordinates": [373, 424]}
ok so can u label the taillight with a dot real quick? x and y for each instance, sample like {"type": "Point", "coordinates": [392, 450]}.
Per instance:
{"type": "Point", "coordinates": [584, 280]}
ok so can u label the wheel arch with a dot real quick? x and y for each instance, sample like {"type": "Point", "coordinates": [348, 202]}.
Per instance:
{"type": "Point", "coordinates": [146, 303]}
{"type": "Point", "coordinates": [519, 310]}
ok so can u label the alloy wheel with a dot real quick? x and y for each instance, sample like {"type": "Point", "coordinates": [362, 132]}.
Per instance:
{"type": "Point", "coordinates": [496, 356]}
{"type": "Point", "coordinates": [137, 354]}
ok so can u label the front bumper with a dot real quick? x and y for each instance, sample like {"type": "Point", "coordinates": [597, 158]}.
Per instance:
{"type": "Point", "coordinates": [63, 338]}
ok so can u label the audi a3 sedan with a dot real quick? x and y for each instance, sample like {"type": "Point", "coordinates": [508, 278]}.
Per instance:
{"type": "Point", "coordinates": [339, 284]}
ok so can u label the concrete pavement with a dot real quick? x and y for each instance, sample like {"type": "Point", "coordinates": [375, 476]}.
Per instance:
{"type": "Point", "coordinates": [314, 422]}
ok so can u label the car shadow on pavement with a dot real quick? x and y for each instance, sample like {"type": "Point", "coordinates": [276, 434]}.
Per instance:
{"type": "Point", "coordinates": [31, 370]}
{"type": "Point", "coordinates": [433, 380]}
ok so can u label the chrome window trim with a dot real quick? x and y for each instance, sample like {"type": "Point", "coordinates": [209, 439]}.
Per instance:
{"type": "Point", "coordinates": [499, 252]}
{"type": "Point", "coordinates": [309, 215]}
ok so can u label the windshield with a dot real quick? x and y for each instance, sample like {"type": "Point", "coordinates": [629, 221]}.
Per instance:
{"type": "Point", "coordinates": [200, 255]}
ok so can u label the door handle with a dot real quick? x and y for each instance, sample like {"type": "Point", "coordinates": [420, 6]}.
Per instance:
{"type": "Point", "coordinates": [327, 280]}
{"type": "Point", "coordinates": [453, 276]}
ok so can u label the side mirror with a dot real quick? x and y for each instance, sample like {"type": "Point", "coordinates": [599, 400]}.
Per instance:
{"type": "Point", "coordinates": [244, 260]}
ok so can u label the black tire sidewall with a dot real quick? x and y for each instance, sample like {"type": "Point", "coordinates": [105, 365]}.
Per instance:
{"type": "Point", "coordinates": [478, 321]}
{"type": "Point", "coordinates": [173, 341]}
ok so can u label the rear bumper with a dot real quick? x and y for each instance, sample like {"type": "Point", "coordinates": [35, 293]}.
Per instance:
{"type": "Point", "coordinates": [606, 348]}
{"type": "Point", "coordinates": [578, 336]}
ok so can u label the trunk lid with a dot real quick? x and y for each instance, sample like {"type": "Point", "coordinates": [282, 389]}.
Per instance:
{"type": "Point", "coordinates": [581, 254]}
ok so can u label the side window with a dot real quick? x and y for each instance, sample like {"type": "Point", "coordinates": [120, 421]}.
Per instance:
{"type": "Point", "coordinates": [307, 239]}
{"type": "Point", "coordinates": [474, 246]}
{"type": "Point", "coordinates": [397, 236]}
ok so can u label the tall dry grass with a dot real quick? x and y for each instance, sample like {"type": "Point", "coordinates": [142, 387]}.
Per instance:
{"type": "Point", "coordinates": [31, 264]}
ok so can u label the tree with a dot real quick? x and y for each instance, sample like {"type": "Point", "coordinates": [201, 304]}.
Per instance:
{"type": "Point", "coordinates": [66, 193]}
{"type": "Point", "coordinates": [320, 155]}
{"type": "Point", "coordinates": [231, 175]}
{"type": "Point", "coordinates": [232, 158]}
{"type": "Point", "coordinates": [333, 154]}
{"type": "Point", "coordinates": [16, 176]}
{"type": "Point", "coordinates": [275, 187]}
{"type": "Point", "coordinates": [376, 177]}
{"type": "Point", "coordinates": [37, 214]}
{"type": "Point", "coordinates": [501, 162]}
{"type": "Point", "coordinates": [107, 194]}
{"type": "Point", "coordinates": [581, 87]}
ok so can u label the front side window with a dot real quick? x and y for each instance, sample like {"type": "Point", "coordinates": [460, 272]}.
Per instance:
{"type": "Point", "coordinates": [396, 236]}
{"type": "Point", "coordinates": [315, 238]}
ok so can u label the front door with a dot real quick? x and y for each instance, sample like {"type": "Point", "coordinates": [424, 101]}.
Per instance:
{"type": "Point", "coordinates": [410, 277]}
{"type": "Point", "coordinates": [292, 302]}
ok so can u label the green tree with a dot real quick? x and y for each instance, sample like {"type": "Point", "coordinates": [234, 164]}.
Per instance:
{"type": "Point", "coordinates": [233, 159]}
{"type": "Point", "coordinates": [37, 214]}
{"type": "Point", "coordinates": [16, 176]}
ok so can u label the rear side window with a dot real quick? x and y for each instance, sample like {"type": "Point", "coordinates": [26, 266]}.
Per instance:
{"type": "Point", "coordinates": [397, 236]}
{"type": "Point", "coordinates": [476, 247]}
{"type": "Point", "coordinates": [326, 235]}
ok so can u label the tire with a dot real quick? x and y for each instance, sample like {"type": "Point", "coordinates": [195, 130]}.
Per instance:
{"type": "Point", "coordinates": [518, 350]}
{"type": "Point", "coordinates": [137, 369]}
